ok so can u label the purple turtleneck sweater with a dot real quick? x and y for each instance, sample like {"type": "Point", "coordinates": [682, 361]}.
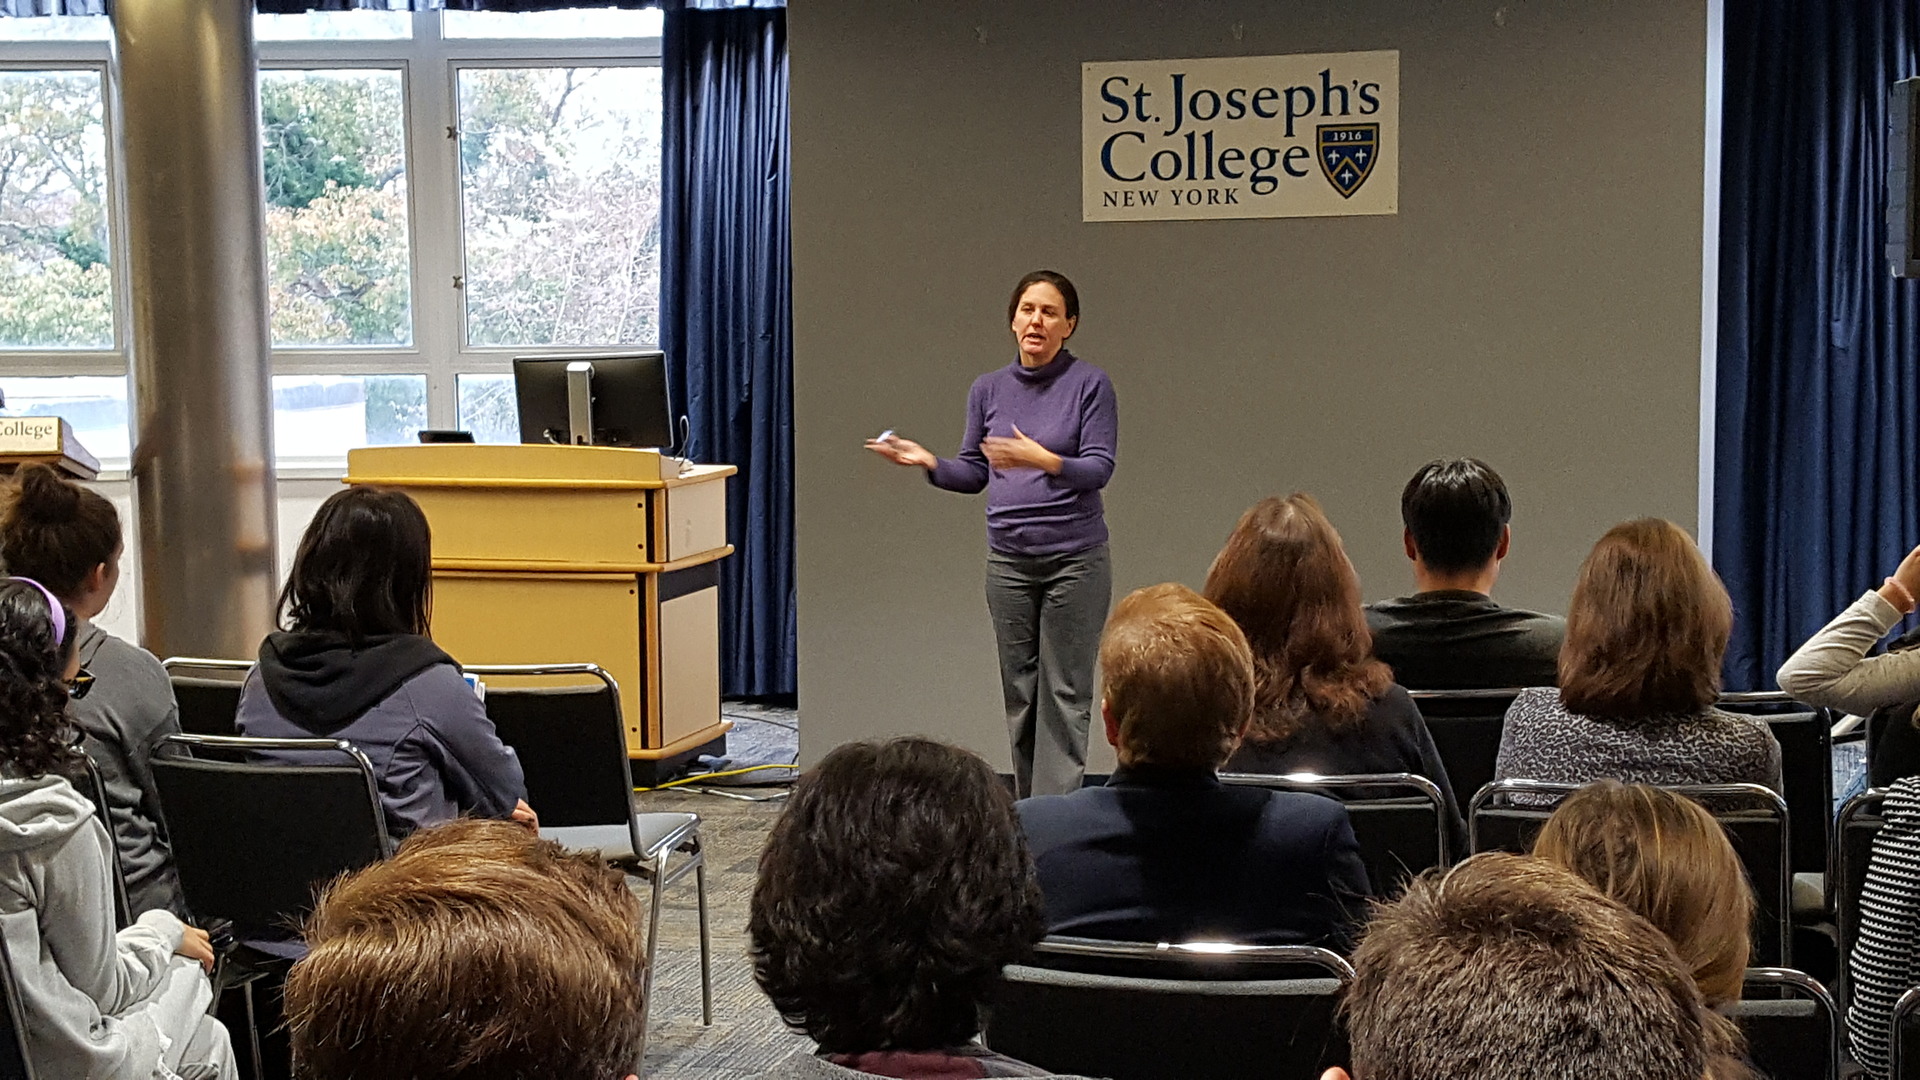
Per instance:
{"type": "Point", "coordinates": [1066, 406]}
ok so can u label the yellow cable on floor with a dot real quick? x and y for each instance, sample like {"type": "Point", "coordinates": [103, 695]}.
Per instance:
{"type": "Point", "coordinates": [713, 775]}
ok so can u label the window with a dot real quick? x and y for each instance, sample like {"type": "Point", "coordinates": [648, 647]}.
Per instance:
{"type": "Point", "coordinates": [56, 283]}
{"type": "Point", "coordinates": [560, 185]}
{"type": "Point", "coordinates": [334, 150]}
{"type": "Point", "coordinates": [444, 191]}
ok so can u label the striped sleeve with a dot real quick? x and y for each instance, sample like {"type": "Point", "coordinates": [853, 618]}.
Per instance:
{"type": "Point", "coordinates": [1882, 963]}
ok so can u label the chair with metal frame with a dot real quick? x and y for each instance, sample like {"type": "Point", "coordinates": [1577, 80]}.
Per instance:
{"type": "Point", "coordinates": [89, 782]}
{"type": "Point", "coordinates": [1806, 772]}
{"type": "Point", "coordinates": [1791, 1024]}
{"type": "Point", "coordinates": [1466, 727]}
{"type": "Point", "coordinates": [1903, 1042]}
{"type": "Point", "coordinates": [1264, 1011]}
{"type": "Point", "coordinates": [208, 706]}
{"type": "Point", "coordinates": [1760, 830]}
{"type": "Point", "coordinates": [15, 1062]}
{"type": "Point", "coordinates": [572, 745]}
{"type": "Point", "coordinates": [253, 841]}
{"type": "Point", "coordinates": [1400, 819]}
{"type": "Point", "coordinates": [1853, 833]}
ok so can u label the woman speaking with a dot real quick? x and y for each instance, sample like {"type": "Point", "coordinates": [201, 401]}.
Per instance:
{"type": "Point", "coordinates": [1040, 440]}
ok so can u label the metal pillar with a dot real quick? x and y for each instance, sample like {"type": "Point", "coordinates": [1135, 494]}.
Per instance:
{"type": "Point", "coordinates": [185, 79]}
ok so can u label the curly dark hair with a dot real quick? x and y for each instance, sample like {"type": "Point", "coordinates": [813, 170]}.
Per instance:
{"type": "Point", "coordinates": [35, 738]}
{"type": "Point", "coordinates": [892, 891]}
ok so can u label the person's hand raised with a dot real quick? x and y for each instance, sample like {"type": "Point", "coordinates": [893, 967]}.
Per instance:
{"type": "Point", "coordinates": [1903, 588]}
{"type": "Point", "coordinates": [902, 451]}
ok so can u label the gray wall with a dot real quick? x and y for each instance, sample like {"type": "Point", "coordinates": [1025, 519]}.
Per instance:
{"type": "Point", "coordinates": [1536, 302]}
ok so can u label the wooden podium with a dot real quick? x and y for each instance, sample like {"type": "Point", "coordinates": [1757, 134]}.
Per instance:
{"type": "Point", "coordinates": [48, 439]}
{"type": "Point", "coordinates": [564, 554]}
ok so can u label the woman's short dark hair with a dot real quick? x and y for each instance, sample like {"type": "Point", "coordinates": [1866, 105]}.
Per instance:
{"type": "Point", "coordinates": [35, 738]}
{"type": "Point", "coordinates": [55, 531]}
{"type": "Point", "coordinates": [1050, 277]}
{"type": "Point", "coordinates": [1455, 510]}
{"type": "Point", "coordinates": [364, 567]}
{"type": "Point", "coordinates": [892, 891]}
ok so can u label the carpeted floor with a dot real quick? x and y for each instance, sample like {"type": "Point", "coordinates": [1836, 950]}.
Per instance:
{"type": "Point", "coordinates": [747, 1038]}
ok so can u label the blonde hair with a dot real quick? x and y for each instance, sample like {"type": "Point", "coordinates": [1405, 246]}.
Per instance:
{"type": "Point", "coordinates": [1665, 857]}
{"type": "Point", "coordinates": [1178, 678]}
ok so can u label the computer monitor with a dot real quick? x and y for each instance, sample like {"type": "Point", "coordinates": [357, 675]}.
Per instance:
{"type": "Point", "coordinates": [627, 392]}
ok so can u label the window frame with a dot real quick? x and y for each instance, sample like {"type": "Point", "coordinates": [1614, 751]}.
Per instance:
{"type": "Point", "coordinates": [429, 65]}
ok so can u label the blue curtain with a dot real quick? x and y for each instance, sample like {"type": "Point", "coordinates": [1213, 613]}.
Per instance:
{"type": "Point", "coordinates": [1817, 434]}
{"type": "Point", "coordinates": [726, 311]}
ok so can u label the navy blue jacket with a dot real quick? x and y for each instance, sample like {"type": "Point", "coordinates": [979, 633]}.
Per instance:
{"type": "Point", "coordinates": [1163, 854]}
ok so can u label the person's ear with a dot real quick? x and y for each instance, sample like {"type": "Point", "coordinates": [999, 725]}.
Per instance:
{"type": "Point", "coordinates": [1506, 539]}
{"type": "Point", "coordinates": [1406, 541]}
{"type": "Point", "coordinates": [1335, 1073]}
{"type": "Point", "coordinates": [1072, 325]}
{"type": "Point", "coordinates": [96, 579]}
{"type": "Point", "coordinates": [1112, 723]}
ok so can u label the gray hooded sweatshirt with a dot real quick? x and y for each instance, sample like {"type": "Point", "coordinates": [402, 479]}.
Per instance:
{"type": "Point", "coordinates": [128, 712]}
{"type": "Point", "coordinates": [91, 997]}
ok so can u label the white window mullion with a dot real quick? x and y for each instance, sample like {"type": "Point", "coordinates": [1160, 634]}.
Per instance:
{"type": "Point", "coordinates": [436, 215]}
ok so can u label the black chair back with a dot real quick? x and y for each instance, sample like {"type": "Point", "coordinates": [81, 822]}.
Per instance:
{"type": "Point", "coordinates": [1904, 1045]}
{"type": "Point", "coordinates": [1859, 823]}
{"type": "Point", "coordinates": [571, 741]}
{"type": "Point", "coordinates": [1174, 1027]}
{"type": "Point", "coordinates": [1399, 819]}
{"type": "Point", "coordinates": [1791, 1025]}
{"type": "Point", "coordinates": [1755, 818]}
{"type": "Point", "coordinates": [88, 781]}
{"type": "Point", "coordinates": [1466, 726]}
{"type": "Point", "coordinates": [1806, 770]}
{"type": "Point", "coordinates": [254, 840]}
{"type": "Point", "coordinates": [208, 692]}
{"type": "Point", "coordinates": [15, 1063]}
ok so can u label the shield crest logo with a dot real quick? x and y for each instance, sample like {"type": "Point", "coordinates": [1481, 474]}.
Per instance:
{"type": "Point", "coordinates": [1347, 154]}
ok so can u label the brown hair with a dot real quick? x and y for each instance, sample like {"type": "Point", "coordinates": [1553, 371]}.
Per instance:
{"type": "Point", "coordinates": [55, 531]}
{"type": "Point", "coordinates": [478, 951]}
{"type": "Point", "coordinates": [1285, 579]}
{"type": "Point", "coordinates": [1647, 627]}
{"type": "Point", "coordinates": [1178, 678]}
{"type": "Point", "coordinates": [1510, 966]}
{"type": "Point", "coordinates": [1069, 295]}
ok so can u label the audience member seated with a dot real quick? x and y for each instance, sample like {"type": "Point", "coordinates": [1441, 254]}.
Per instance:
{"type": "Point", "coordinates": [1165, 851]}
{"type": "Point", "coordinates": [1639, 674]}
{"type": "Point", "coordinates": [355, 662]}
{"type": "Point", "coordinates": [1507, 966]}
{"type": "Point", "coordinates": [1833, 669]}
{"type": "Point", "coordinates": [68, 539]}
{"type": "Point", "coordinates": [1450, 634]}
{"type": "Point", "coordinates": [96, 1004]}
{"type": "Point", "coordinates": [1322, 703]}
{"type": "Point", "coordinates": [1665, 858]}
{"type": "Point", "coordinates": [478, 951]}
{"type": "Point", "coordinates": [893, 889]}
{"type": "Point", "coordinates": [1884, 961]}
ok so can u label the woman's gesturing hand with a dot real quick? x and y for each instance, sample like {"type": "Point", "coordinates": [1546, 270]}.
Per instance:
{"type": "Point", "coordinates": [1018, 452]}
{"type": "Point", "coordinates": [902, 451]}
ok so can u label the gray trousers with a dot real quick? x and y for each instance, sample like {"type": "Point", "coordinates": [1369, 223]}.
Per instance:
{"type": "Point", "coordinates": [1048, 611]}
